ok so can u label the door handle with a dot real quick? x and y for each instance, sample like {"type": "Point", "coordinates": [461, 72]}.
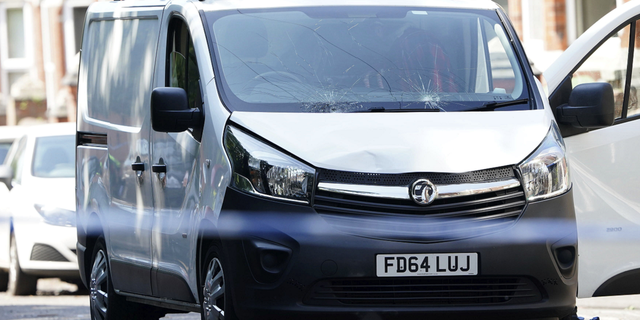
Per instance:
{"type": "Point", "coordinates": [161, 170]}
{"type": "Point", "coordinates": [159, 167]}
{"type": "Point", "coordinates": [138, 167]}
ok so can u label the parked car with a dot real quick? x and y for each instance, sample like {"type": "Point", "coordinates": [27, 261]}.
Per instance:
{"type": "Point", "coordinates": [37, 214]}
{"type": "Point", "coordinates": [325, 159]}
{"type": "Point", "coordinates": [604, 159]}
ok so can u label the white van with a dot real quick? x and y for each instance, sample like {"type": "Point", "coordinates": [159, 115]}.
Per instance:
{"type": "Point", "coordinates": [297, 159]}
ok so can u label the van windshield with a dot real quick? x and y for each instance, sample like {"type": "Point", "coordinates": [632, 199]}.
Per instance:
{"type": "Point", "coordinates": [359, 59]}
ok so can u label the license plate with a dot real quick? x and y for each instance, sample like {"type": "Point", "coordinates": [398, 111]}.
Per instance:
{"type": "Point", "coordinates": [426, 264]}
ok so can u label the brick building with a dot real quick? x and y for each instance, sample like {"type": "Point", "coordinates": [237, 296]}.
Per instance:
{"type": "Point", "coordinates": [548, 27]}
{"type": "Point", "coordinates": [39, 42]}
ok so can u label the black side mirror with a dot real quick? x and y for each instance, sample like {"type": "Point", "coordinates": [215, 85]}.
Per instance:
{"type": "Point", "coordinates": [591, 105]}
{"type": "Point", "coordinates": [170, 111]}
{"type": "Point", "coordinates": [6, 174]}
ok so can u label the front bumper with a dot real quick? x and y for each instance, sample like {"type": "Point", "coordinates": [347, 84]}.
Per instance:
{"type": "Point", "coordinates": [46, 250]}
{"type": "Point", "coordinates": [285, 261]}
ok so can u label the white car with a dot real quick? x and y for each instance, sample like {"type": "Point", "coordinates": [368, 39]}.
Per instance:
{"type": "Point", "coordinates": [37, 215]}
{"type": "Point", "coordinates": [604, 161]}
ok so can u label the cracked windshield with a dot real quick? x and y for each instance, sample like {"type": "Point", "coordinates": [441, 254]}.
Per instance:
{"type": "Point", "coordinates": [367, 59]}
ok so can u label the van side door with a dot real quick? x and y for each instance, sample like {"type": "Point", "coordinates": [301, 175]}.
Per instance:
{"type": "Point", "coordinates": [604, 161]}
{"type": "Point", "coordinates": [176, 158]}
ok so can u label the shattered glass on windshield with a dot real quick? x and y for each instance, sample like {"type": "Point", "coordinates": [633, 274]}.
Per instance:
{"type": "Point", "coordinates": [365, 59]}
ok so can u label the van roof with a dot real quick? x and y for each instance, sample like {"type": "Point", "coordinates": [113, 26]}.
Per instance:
{"type": "Point", "coordinates": [261, 4]}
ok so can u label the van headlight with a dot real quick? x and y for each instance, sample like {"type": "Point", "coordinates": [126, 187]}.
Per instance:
{"type": "Point", "coordinates": [545, 173]}
{"type": "Point", "coordinates": [57, 216]}
{"type": "Point", "coordinates": [263, 170]}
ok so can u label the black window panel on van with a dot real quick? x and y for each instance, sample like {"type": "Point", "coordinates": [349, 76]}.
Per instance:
{"type": "Point", "coordinates": [118, 85]}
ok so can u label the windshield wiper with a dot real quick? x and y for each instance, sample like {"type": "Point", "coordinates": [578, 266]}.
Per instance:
{"type": "Point", "coordinates": [492, 105]}
{"type": "Point", "coordinates": [382, 109]}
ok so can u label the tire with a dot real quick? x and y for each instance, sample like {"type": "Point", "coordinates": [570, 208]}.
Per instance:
{"type": "Point", "coordinates": [82, 290]}
{"type": "Point", "coordinates": [217, 303]}
{"type": "Point", "coordinates": [573, 316]}
{"type": "Point", "coordinates": [4, 280]}
{"type": "Point", "coordinates": [105, 303]}
{"type": "Point", "coordinates": [20, 283]}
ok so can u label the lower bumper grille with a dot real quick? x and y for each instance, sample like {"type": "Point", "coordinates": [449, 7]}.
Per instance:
{"type": "Point", "coordinates": [43, 252]}
{"type": "Point", "coordinates": [424, 292]}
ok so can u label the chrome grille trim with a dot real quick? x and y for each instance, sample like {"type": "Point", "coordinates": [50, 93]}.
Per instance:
{"type": "Point", "coordinates": [379, 206]}
{"type": "Point", "coordinates": [402, 192]}
{"type": "Point", "coordinates": [385, 192]}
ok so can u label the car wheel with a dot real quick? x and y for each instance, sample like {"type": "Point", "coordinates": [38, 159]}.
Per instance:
{"type": "Point", "coordinates": [4, 280]}
{"type": "Point", "coordinates": [216, 299]}
{"type": "Point", "coordinates": [105, 303]}
{"type": "Point", "coordinates": [20, 283]}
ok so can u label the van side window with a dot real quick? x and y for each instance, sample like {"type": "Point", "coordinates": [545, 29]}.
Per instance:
{"type": "Point", "coordinates": [118, 89]}
{"type": "Point", "coordinates": [182, 65]}
{"type": "Point", "coordinates": [609, 64]}
{"type": "Point", "coordinates": [633, 109]}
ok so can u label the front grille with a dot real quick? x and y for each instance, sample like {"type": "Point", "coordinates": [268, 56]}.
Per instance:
{"type": "Point", "coordinates": [43, 252]}
{"type": "Point", "coordinates": [444, 219]}
{"type": "Point", "coordinates": [430, 291]}
{"type": "Point", "coordinates": [406, 179]}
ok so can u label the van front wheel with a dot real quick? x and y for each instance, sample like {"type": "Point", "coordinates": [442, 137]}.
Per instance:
{"type": "Point", "coordinates": [216, 300]}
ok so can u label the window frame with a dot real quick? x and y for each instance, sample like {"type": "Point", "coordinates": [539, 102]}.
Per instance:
{"type": "Point", "coordinates": [561, 94]}
{"type": "Point", "coordinates": [169, 49]}
{"type": "Point", "coordinates": [14, 65]}
{"type": "Point", "coordinates": [15, 159]}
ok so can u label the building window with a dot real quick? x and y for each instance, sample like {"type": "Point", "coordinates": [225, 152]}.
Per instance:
{"type": "Point", "coordinates": [16, 45]}
{"type": "Point", "coordinates": [16, 37]}
{"type": "Point", "coordinates": [78, 24]}
{"type": "Point", "coordinates": [15, 33]}
{"type": "Point", "coordinates": [73, 13]}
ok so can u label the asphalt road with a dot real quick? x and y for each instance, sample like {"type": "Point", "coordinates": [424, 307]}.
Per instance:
{"type": "Point", "coordinates": [58, 300]}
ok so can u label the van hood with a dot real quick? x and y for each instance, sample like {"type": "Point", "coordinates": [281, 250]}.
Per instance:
{"type": "Point", "coordinates": [450, 142]}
